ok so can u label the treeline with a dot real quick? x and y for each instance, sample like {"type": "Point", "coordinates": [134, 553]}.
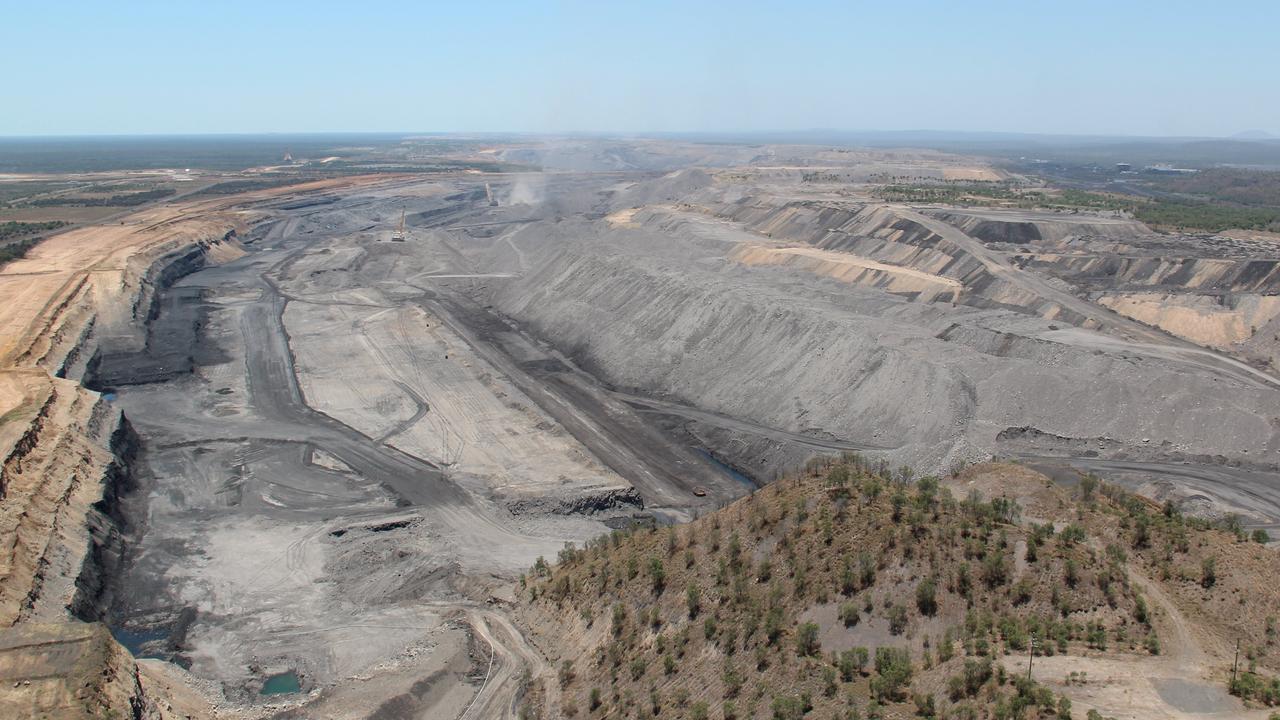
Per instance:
{"type": "Point", "coordinates": [17, 250]}
{"type": "Point", "coordinates": [1207, 216]}
{"type": "Point", "coordinates": [12, 229]}
{"type": "Point", "coordinates": [121, 200]}
{"type": "Point", "coordinates": [1189, 214]}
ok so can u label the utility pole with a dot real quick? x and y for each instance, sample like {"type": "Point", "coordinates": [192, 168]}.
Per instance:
{"type": "Point", "coordinates": [1031, 653]}
{"type": "Point", "coordinates": [1235, 665]}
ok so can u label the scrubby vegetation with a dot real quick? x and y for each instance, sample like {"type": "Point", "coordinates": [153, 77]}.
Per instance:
{"type": "Point", "coordinates": [16, 250]}
{"type": "Point", "coordinates": [17, 238]}
{"type": "Point", "coordinates": [1214, 211]}
{"type": "Point", "coordinates": [1204, 215]}
{"type": "Point", "coordinates": [854, 591]}
{"type": "Point", "coordinates": [961, 193]}
{"type": "Point", "coordinates": [13, 230]}
{"type": "Point", "coordinates": [1243, 187]}
{"type": "Point", "coordinates": [118, 200]}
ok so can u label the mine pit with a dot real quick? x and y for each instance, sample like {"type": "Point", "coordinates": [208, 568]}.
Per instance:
{"type": "Point", "coordinates": [339, 460]}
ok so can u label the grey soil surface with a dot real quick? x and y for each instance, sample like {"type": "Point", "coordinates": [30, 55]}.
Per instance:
{"type": "Point", "coordinates": [281, 538]}
{"type": "Point", "coordinates": [350, 444]}
{"type": "Point", "coordinates": [1194, 697]}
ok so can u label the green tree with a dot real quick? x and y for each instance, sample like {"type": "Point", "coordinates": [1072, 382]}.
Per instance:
{"type": "Point", "coordinates": [773, 624]}
{"type": "Point", "coordinates": [620, 619]}
{"type": "Point", "coordinates": [893, 673]}
{"type": "Point", "coordinates": [658, 574]}
{"type": "Point", "coordinates": [926, 596]}
{"type": "Point", "coordinates": [732, 680]}
{"type": "Point", "coordinates": [995, 570]}
{"type": "Point", "coordinates": [897, 620]}
{"type": "Point", "coordinates": [1071, 573]}
{"type": "Point", "coordinates": [866, 570]}
{"type": "Point", "coordinates": [849, 614]}
{"type": "Point", "coordinates": [807, 640]}
{"type": "Point", "coordinates": [787, 707]}
{"type": "Point", "coordinates": [1208, 572]}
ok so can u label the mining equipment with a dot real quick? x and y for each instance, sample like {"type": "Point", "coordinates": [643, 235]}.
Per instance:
{"type": "Point", "coordinates": [398, 235]}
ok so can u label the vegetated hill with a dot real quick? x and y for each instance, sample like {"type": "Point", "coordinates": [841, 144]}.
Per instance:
{"type": "Point", "coordinates": [851, 592]}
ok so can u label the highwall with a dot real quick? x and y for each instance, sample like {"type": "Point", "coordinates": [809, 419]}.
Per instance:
{"type": "Point", "coordinates": [67, 450]}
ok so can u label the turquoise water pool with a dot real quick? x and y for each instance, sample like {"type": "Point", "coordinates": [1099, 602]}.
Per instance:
{"type": "Point", "coordinates": [285, 682]}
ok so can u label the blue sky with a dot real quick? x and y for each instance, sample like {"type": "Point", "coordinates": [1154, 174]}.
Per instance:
{"type": "Point", "coordinates": [1157, 68]}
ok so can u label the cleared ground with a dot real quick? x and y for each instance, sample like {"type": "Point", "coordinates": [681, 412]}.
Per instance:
{"type": "Point", "coordinates": [351, 447]}
{"type": "Point", "coordinates": [496, 385]}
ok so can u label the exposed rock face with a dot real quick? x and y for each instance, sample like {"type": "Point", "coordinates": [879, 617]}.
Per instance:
{"type": "Point", "coordinates": [1200, 274]}
{"type": "Point", "coordinates": [69, 671]}
{"type": "Point", "coordinates": [1217, 291]}
{"type": "Point", "coordinates": [1034, 228]}
{"type": "Point", "coordinates": [66, 449]}
{"type": "Point", "coordinates": [106, 523]}
{"type": "Point", "coordinates": [67, 454]}
{"type": "Point", "coordinates": [1219, 321]}
{"type": "Point", "coordinates": [899, 238]}
{"type": "Point", "coordinates": [622, 499]}
{"type": "Point", "coordinates": [60, 479]}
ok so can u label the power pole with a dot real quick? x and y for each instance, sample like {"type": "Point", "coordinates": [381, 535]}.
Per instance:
{"type": "Point", "coordinates": [1031, 653]}
{"type": "Point", "coordinates": [1235, 665]}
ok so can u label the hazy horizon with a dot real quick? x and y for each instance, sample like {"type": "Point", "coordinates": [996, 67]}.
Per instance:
{"type": "Point", "coordinates": [1090, 69]}
{"type": "Point", "coordinates": [931, 133]}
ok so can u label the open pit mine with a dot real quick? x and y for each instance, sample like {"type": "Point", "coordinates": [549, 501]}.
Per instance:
{"type": "Point", "coordinates": [288, 453]}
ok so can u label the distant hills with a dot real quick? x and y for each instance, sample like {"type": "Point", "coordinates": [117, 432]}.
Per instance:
{"type": "Point", "coordinates": [1252, 148]}
{"type": "Point", "coordinates": [1254, 135]}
